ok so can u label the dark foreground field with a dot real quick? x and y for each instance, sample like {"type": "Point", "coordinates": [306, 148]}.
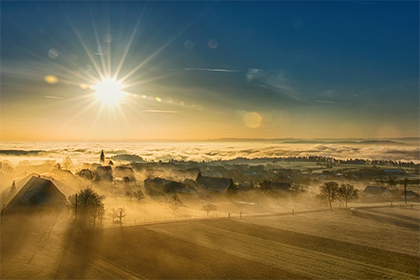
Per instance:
{"type": "Point", "coordinates": [201, 250]}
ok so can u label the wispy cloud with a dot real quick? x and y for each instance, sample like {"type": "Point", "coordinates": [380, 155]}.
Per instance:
{"type": "Point", "coordinates": [208, 70]}
{"type": "Point", "coordinates": [161, 111]}
{"type": "Point", "coordinates": [52, 97]}
{"type": "Point", "coordinates": [275, 81]}
{"type": "Point", "coordinates": [325, 101]}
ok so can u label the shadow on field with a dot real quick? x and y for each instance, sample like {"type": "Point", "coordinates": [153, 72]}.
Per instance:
{"type": "Point", "coordinates": [394, 219]}
{"type": "Point", "coordinates": [16, 233]}
{"type": "Point", "coordinates": [78, 251]}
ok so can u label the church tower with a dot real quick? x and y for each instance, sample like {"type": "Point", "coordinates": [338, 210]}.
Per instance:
{"type": "Point", "coordinates": [102, 157]}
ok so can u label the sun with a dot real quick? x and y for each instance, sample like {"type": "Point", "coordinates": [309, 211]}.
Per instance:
{"type": "Point", "coordinates": [109, 91]}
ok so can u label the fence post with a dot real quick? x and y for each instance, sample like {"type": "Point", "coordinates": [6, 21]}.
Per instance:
{"type": "Point", "coordinates": [76, 207]}
{"type": "Point", "coordinates": [229, 216]}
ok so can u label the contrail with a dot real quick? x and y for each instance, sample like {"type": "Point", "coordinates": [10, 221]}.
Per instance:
{"type": "Point", "coordinates": [209, 70]}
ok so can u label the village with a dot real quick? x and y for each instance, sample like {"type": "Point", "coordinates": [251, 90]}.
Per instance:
{"type": "Point", "coordinates": [243, 180]}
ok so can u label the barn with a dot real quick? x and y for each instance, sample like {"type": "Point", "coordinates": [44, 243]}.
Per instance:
{"type": "Point", "coordinates": [36, 194]}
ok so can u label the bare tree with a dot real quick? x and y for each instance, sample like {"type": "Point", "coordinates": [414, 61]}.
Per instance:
{"type": "Point", "coordinates": [174, 203]}
{"type": "Point", "coordinates": [129, 194]}
{"type": "Point", "coordinates": [121, 214]}
{"type": "Point", "coordinates": [138, 195]}
{"type": "Point", "coordinates": [5, 167]}
{"type": "Point", "coordinates": [113, 214]}
{"type": "Point", "coordinates": [346, 192]}
{"type": "Point", "coordinates": [329, 191]}
{"type": "Point", "coordinates": [67, 163]}
{"type": "Point", "coordinates": [208, 208]}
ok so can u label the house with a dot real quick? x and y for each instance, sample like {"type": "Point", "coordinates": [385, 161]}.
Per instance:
{"type": "Point", "coordinates": [411, 196]}
{"type": "Point", "coordinates": [104, 173]}
{"type": "Point", "coordinates": [159, 186]}
{"type": "Point", "coordinates": [126, 173]}
{"type": "Point", "coordinates": [375, 194]}
{"type": "Point", "coordinates": [214, 184]}
{"type": "Point", "coordinates": [86, 174]}
{"type": "Point", "coordinates": [37, 193]}
{"type": "Point", "coordinates": [275, 186]}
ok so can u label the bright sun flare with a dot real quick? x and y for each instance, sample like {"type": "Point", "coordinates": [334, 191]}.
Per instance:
{"type": "Point", "coordinates": [109, 91]}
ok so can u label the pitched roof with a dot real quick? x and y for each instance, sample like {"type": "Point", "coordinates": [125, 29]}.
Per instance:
{"type": "Point", "coordinates": [214, 183]}
{"type": "Point", "coordinates": [35, 185]}
{"type": "Point", "coordinates": [376, 190]}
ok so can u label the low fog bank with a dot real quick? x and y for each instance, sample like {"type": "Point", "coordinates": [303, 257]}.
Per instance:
{"type": "Point", "coordinates": [211, 151]}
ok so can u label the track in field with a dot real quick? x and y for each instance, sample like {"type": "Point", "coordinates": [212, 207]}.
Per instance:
{"type": "Point", "coordinates": [300, 254]}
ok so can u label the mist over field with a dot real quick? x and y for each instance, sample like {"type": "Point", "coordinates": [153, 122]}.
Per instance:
{"type": "Point", "coordinates": [407, 149]}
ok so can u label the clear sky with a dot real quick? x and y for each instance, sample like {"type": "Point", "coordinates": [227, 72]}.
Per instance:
{"type": "Point", "coordinates": [200, 70]}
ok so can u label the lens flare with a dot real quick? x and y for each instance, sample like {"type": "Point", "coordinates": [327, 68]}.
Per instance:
{"type": "Point", "coordinates": [51, 79]}
{"type": "Point", "coordinates": [252, 119]}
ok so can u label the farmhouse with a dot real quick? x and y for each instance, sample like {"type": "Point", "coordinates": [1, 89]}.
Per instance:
{"type": "Point", "coordinates": [275, 186]}
{"type": "Point", "coordinates": [411, 196]}
{"type": "Point", "coordinates": [215, 185]}
{"type": "Point", "coordinates": [376, 193]}
{"type": "Point", "coordinates": [126, 173]}
{"type": "Point", "coordinates": [159, 186]}
{"type": "Point", "coordinates": [104, 173]}
{"type": "Point", "coordinates": [38, 193]}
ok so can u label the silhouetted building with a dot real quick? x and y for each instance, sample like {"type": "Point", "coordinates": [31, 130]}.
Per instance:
{"type": "Point", "coordinates": [102, 157]}
{"type": "Point", "coordinates": [214, 184]}
{"type": "Point", "coordinates": [38, 193]}
{"type": "Point", "coordinates": [375, 193]}
{"type": "Point", "coordinates": [159, 186]}
{"type": "Point", "coordinates": [104, 173]}
{"type": "Point", "coordinates": [125, 173]}
{"type": "Point", "coordinates": [86, 174]}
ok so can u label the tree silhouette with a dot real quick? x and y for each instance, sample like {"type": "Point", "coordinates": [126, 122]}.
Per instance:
{"type": "Point", "coordinates": [87, 203]}
{"type": "Point", "coordinates": [67, 163]}
{"type": "Point", "coordinates": [347, 193]}
{"type": "Point", "coordinates": [174, 203]}
{"type": "Point", "coordinates": [329, 191]}
{"type": "Point", "coordinates": [121, 214]}
{"type": "Point", "coordinates": [209, 207]}
{"type": "Point", "coordinates": [138, 195]}
{"type": "Point", "coordinates": [129, 194]}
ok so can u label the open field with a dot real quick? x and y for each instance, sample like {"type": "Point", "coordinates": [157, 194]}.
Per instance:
{"type": "Point", "coordinates": [377, 243]}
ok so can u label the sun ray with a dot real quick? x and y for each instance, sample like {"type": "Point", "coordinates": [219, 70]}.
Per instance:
{"type": "Point", "coordinates": [153, 79]}
{"type": "Point", "coordinates": [127, 49]}
{"type": "Point", "coordinates": [85, 109]}
{"type": "Point", "coordinates": [95, 120]}
{"type": "Point", "coordinates": [108, 44]}
{"type": "Point", "coordinates": [98, 42]}
{"type": "Point", "coordinates": [153, 55]}
{"type": "Point", "coordinates": [61, 67]}
{"type": "Point", "coordinates": [124, 117]}
{"type": "Point", "coordinates": [82, 42]}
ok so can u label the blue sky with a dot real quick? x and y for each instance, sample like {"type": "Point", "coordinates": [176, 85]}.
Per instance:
{"type": "Point", "coordinates": [294, 69]}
